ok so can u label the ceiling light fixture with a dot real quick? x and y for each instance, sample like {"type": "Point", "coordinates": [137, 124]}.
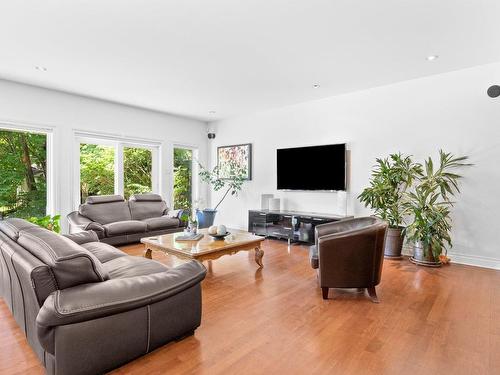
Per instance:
{"type": "Point", "coordinates": [41, 68]}
{"type": "Point", "coordinates": [316, 86]}
{"type": "Point", "coordinates": [432, 57]}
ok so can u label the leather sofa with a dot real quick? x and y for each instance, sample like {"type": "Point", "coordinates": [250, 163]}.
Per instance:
{"type": "Point", "coordinates": [87, 307]}
{"type": "Point", "coordinates": [118, 221]}
{"type": "Point", "coordinates": [349, 254]}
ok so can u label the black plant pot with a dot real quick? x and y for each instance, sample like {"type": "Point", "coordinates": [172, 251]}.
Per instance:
{"type": "Point", "coordinates": [424, 256]}
{"type": "Point", "coordinates": [393, 243]}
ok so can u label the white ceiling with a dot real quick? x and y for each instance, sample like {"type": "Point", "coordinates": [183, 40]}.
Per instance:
{"type": "Point", "coordinates": [189, 57]}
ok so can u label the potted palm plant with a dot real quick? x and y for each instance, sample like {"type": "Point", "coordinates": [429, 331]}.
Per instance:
{"type": "Point", "coordinates": [232, 184]}
{"type": "Point", "coordinates": [430, 206]}
{"type": "Point", "coordinates": [390, 179]}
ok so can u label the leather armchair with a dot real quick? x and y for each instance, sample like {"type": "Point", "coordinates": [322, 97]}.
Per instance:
{"type": "Point", "coordinates": [349, 254]}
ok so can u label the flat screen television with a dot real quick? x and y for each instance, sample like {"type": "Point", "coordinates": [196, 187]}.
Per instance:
{"type": "Point", "coordinates": [312, 168]}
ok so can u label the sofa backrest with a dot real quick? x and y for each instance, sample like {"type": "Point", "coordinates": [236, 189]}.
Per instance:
{"type": "Point", "coordinates": [145, 206]}
{"type": "Point", "coordinates": [70, 263]}
{"type": "Point", "coordinates": [105, 209]}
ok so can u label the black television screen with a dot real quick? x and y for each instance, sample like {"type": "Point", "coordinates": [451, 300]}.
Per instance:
{"type": "Point", "coordinates": [312, 168]}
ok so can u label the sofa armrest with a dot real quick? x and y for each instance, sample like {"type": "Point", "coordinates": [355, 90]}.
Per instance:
{"type": "Point", "coordinates": [83, 237]}
{"type": "Point", "coordinates": [96, 300]}
{"type": "Point", "coordinates": [79, 223]}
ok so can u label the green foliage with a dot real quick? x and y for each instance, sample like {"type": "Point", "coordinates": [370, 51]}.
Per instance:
{"type": "Point", "coordinates": [183, 160]}
{"type": "Point", "coordinates": [52, 223]}
{"type": "Point", "coordinates": [430, 203]}
{"type": "Point", "coordinates": [232, 183]}
{"type": "Point", "coordinates": [97, 170]}
{"type": "Point", "coordinates": [137, 167]}
{"type": "Point", "coordinates": [390, 179]}
{"type": "Point", "coordinates": [22, 174]}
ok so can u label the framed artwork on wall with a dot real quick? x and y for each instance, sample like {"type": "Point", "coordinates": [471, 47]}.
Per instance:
{"type": "Point", "coordinates": [239, 154]}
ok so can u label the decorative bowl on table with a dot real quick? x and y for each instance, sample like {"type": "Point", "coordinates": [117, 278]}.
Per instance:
{"type": "Point", "coordinates": [219, 236]}
{"type": "Point", "coordinates": [218, 232]}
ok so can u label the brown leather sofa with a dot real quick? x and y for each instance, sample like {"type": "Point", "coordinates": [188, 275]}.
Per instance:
{"type": "Point", "coordinates": [118, 221]}
{"type": "Point", "coordinates": [349, 254]}
{"type": "Point", "coordinates": [87, 307]}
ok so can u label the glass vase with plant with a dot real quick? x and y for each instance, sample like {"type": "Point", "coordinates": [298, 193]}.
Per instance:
{"type": "Point", "coordinates": [390, 179]}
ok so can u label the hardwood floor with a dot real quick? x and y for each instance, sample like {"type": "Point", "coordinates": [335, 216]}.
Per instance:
{"type": "Point", "coordinates": [274, 321]}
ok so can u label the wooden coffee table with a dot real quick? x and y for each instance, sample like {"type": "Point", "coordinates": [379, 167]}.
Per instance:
{"type": "Point", "coordinates": [206, 248]}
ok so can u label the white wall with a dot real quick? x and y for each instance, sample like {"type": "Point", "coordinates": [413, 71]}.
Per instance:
{"type": "Point", "coordinates": [27, 105]}
{"type": "Point", "coordinates": [449, 111]}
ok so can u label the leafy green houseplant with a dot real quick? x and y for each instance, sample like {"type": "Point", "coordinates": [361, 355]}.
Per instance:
{"type": "Point", "coordinates": [50, 222]}
{"type": "Point", "coordinates": [430, 207]}
{"type": "Point", "coordinates": [230, 186]}
{"type": "Point", "coordinates": [390, 179]}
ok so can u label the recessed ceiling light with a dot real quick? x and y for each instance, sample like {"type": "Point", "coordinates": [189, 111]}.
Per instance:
{"type": "Point", "coordinates": [316, 86]}
{"type": "Point", "coordinates": [432, 57]}
{"type": "Point", "coordinates": [212, 112]}
{"type": "Point", "coordinates": [41, 68]}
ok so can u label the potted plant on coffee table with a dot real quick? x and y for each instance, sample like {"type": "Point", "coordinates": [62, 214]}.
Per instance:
{"type": "Point", "coordinates": [390, 179]}
{"type": "Point", "coordinates": [430, 207]}
{"type": "Point", "coordinates": [231, 185]}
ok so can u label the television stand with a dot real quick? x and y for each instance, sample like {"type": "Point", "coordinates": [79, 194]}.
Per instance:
{"type": "Point", "coordinates": [293, 226]}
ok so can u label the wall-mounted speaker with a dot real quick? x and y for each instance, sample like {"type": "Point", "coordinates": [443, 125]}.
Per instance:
{"type": "Point", "coordinates": [494, 91]}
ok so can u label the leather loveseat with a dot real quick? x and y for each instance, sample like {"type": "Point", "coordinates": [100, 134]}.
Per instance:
{"type": "Point", "coordinates": [118, 221]}
{"type": "Point", "coordinates": [87, 307]}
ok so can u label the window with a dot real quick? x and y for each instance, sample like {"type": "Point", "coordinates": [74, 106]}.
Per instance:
{"type": "Point", "coordinates": [183, 178]}
{"type": "Point", "coordinates": [97, 170]}
{"type": "Point", "coordinates": [137, 170]}
{"type": "Point", "coordinates": [109, 166]}
{"type": "Point", "coordinates": [23, 173]}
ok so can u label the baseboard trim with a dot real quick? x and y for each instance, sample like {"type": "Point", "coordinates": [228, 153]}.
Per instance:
{"type": "Point", "coordinates": [467, 259]}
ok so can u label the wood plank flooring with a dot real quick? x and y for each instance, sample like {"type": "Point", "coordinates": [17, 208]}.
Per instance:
{"type": "Point", "coordinates": [274, 321]}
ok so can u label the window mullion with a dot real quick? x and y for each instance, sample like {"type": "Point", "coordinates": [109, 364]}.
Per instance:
{"type": "Point", "coordinates": [119, 179]}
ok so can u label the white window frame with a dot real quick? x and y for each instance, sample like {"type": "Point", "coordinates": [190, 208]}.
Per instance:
{"type": "Point", "coordinates": [195, 191]}
{"type": "Point", "coordinates": [50, 208]}
{"type": "Point", "coordinates": [119, 143]}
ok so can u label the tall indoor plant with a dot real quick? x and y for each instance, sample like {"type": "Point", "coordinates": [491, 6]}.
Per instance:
{"type": "Point", "coordinates": [390, 179]}
{"type": "Point", "coordinates": [232, 184]}
{"type": "Point", "coordinates": [429, 205]}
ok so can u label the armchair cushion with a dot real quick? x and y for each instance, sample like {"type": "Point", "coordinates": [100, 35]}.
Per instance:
{"type": "Point", "coordinates": [125, 227]}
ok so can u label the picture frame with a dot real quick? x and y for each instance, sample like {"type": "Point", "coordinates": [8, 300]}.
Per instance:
{"type": "Point", "coordinates": [241, 153]}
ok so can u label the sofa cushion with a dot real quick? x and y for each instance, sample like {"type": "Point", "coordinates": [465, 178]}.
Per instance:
{"type": "Point", "coordinates": [12, 226]}
{"type": "Point", "coordinates": [70, 263]}
{"type": "Point", "coordinates": [141, 210]}
{"type": "Point", "coordinates": [103, 251]}
{"type": "Point", "coordinates": [162, 222]}
{"type": "Point", "coordinates": [130, 266]}
{"type": "Point", "coordinates": [125, 227]}
{"type": "Point", "coordinates": [104, 210]}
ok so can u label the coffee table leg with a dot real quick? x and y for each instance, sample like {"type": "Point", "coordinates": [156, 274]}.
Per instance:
{"type": "Point", "coordinates": [147, 254]}
{"type": "Point", "coordinates": [259, 253]}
